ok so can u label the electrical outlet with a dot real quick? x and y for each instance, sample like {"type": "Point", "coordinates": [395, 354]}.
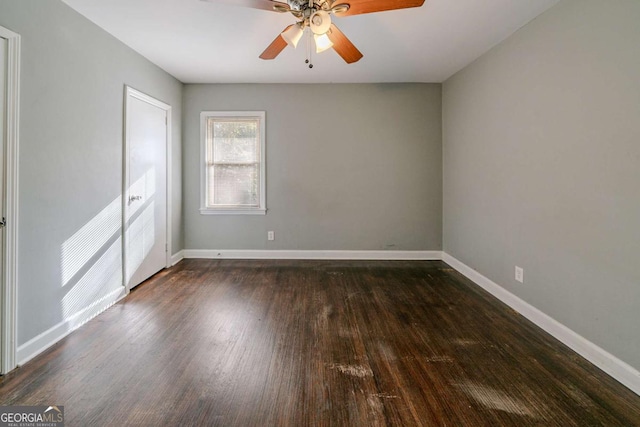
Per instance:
{"type": "Point", "coordinates": [519, 274]}
{"type": "Point", "coordinates": [271, 235]}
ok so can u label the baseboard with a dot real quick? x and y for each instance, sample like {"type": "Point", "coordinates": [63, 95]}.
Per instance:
{"type": "Point", "coordinates": [177, 257]}
{"type": "Point", "coordinates": [292, 254]}
{"type": "Point", "coordinates": [616, 368]}
{"type": "Point", "coordinates": [40, 343]}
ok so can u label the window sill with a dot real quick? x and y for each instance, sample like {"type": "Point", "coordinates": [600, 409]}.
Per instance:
{"type": "Point", "coordinates": [233, 211]}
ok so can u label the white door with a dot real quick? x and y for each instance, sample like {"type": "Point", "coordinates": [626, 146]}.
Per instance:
{"type": "Point", "coordinates": [145, 195]}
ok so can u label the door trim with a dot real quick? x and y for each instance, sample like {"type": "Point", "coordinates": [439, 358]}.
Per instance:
{"type": "Point", "coordinates": [130, 93]}
{"type": "Point", "coordinates": [9, 279]}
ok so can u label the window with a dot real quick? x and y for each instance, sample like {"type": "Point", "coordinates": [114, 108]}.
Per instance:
{"type": "Point", "coordinates": [233, 167]}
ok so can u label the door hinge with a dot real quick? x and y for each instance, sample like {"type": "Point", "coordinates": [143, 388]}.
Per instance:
{"type": "Point", "coordinates": [166, 246]}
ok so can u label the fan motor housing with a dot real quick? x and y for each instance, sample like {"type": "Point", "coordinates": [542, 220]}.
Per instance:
{"type": "Point", "coordinates": [304, 4]}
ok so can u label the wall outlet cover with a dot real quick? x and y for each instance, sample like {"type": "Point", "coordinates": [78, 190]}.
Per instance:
{"type": "Point", "coordinates": [519, 274]}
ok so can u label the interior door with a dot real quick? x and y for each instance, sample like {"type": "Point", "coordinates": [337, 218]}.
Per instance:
{"type": "Point", "coordinates": [145, 194]}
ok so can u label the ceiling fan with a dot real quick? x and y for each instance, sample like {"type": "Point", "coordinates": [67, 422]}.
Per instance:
{"type": "Point", "coordinates": [315, 17]}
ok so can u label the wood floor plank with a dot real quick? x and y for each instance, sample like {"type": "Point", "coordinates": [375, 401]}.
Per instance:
{"type": "Point", "coordinates": [317, 343]}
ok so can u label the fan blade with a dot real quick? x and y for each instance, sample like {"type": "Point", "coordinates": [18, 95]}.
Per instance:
{"type": "Point", "coordinates": [254, 4]}
{"type": "Point", "coordinates": [343, 45]}
{"type": "Point", "coordinates": [275, 47]}
{"type": "Point", "coordinates": [358, 7]}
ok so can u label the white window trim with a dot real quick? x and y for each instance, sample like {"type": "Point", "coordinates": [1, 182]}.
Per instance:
{"type": "Point", "coordinates": [204, 210]}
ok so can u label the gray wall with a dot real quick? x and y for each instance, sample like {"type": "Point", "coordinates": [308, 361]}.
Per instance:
{"type": "Point", "coordinates": [72, 82]}
{"type": "Point", "coordinates": [542, 168]}
{"type": "Point", "coordinates": [349, 167]}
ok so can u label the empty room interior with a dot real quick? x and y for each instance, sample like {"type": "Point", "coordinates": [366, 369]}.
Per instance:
{"type": "Point", "coordinates": [325, 213]}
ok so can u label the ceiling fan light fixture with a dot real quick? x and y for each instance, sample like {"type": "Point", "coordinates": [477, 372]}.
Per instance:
{"type": "Point", "coordinates": [340, 8]}
{"type": "Point", "coordinates": [292, 35]}
{"type": "Point", "coordinates": [322, 42]}
{"type": "Point", "coordinates": [320, 22]}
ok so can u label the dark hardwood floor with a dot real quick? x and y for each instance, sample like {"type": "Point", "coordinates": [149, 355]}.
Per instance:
{"type": "Point", "coordinates": [316, 343]}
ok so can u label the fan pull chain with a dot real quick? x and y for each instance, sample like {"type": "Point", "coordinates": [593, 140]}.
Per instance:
{"type": "Point", "coordinates": [308, 60]}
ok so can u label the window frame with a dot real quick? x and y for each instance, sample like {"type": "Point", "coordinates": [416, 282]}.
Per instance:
{"type": "Point", "coordinates": [262, 176]}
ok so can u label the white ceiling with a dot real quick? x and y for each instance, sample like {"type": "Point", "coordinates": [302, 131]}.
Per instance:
{"type": "Point", "coordinates": [200, 42]}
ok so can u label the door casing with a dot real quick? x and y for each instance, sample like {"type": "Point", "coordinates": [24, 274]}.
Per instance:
{"type": "Point", "coordinates": [9, 276]}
